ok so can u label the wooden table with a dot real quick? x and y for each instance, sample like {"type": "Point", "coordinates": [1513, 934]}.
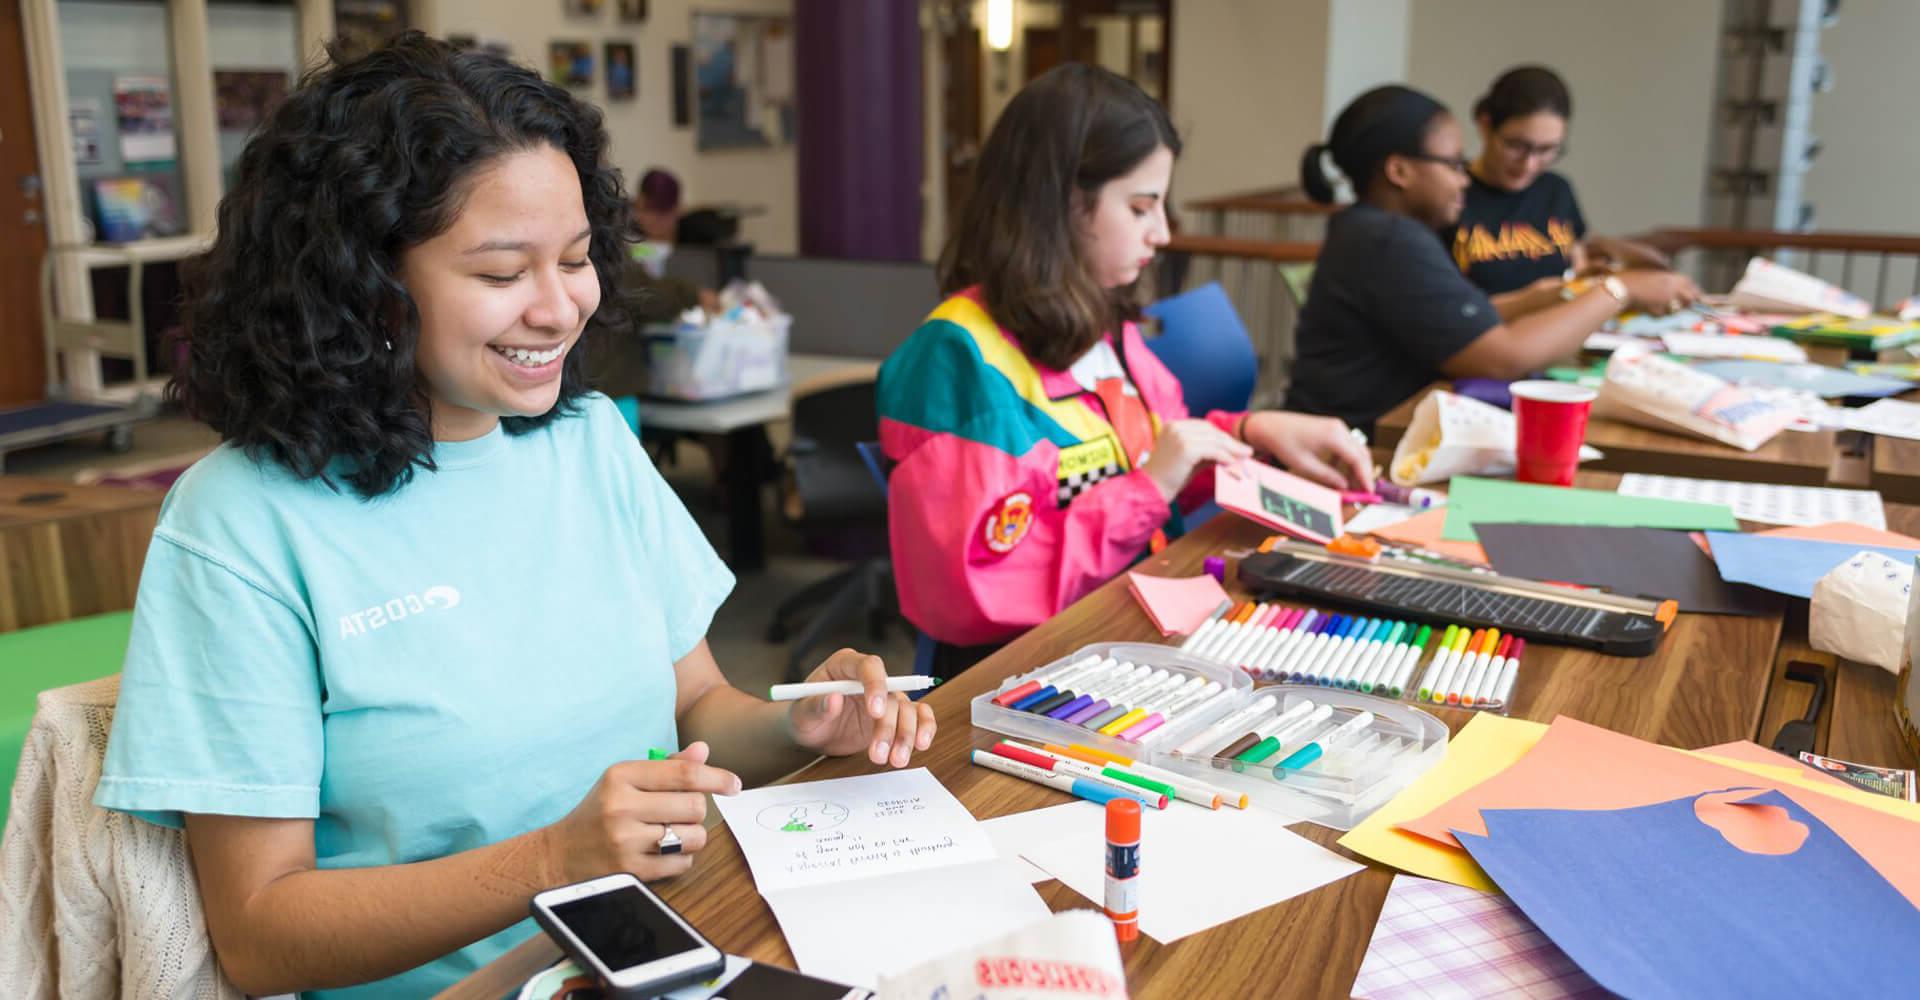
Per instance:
{"type": "Point", "coordinates": [1793, 458]}
{"type": "Point", "coordinates": [1708, 683]}
{"type": "Point", "coordinates": [68, 551]}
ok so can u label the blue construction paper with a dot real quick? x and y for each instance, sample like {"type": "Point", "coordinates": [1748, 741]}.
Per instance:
{"type": "Point", "coordinates": [1204, 344]}
{"type": "Point", "coordinates": [1787, 565]}
{"type": "Point", "coordinates": [1652, 902]}
{"type": "Point", "coordinates": [1831, 383]}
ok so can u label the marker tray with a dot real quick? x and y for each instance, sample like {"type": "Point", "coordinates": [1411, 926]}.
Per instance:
{"type": "Point", "coordinates": [1342, 787]}
{"type": "Point", "coordinates": [1038, 728]}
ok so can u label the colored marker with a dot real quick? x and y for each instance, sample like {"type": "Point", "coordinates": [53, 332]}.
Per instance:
{"type": "Point", "coordinates": [1218, 613]}
{"type": "Point", "coordinates": [1153, 792]}
{"type": "Point", "coordinates": [1302, 648]}
{"type": "Point", "coordinates": [1376, 671]}
{"type": "Point", "coordinates": [1316, 660]}
{"type": "Point", "coordinates": [1268, 659]}
{"type": "Point", "coordinates": [1072, 784]}
{"type": "Point", "coordinates": [1090, 688]}
{"type": "Point", "coordinates": [655, 753]}
{"type": "Point", "coordinates": [1256, 630]}
{"type": "Point", "coordinates": [1339, 654]}
{"type": "Point", "coordinates": [1272, 743]}
{"type": "Point", "coordinates": [1019, 691]}
{"type": "Point", "coordinates": [1156, 709]}
{"type": "Point", "coordinates": [1185, 788]}
{"type": "Point", "coordinates": [1331, 741]}
{"type": "Point", "coordinates": [1385, 648]}
{"type": "Point", "coordinates": [1463, 646]}
{"type": "Point", "coordinates": [1478, 694]}
{"type": "Point", "coordinates": [1104, 770]}
{"type": "Point", "coordinates": [1123, 869]}
{"type": "Point", "coordinates": [1329, 632]}
{"type": "Point", "coordinates": [1466, 677]}
{"type": "Point", "coordinates": [1438, 663]}
{"type": "Point", "coordinates": [1235, 624]}
{"type": "Point", "coordinates": [1502, 696]}
{"type": "Point", "coordinates": [1235, 719]}
{"type": "Point", "coordinates": [1170, 709]}
{"type": "Point", "coordinates": [1282, 723]}
{"type": "Point", "coordinates": [813, 689]}
{"type": "Point", "coordinates": [1275, 632]}
{"type": "Point", "coordinates": [1409, 662]}
{"type": "Point", "coordinates": [1122, 702]}
{"type": "Point", "coordinates": [1051, 686]}
{"type": "Point", "coordinates": [1363, 653]}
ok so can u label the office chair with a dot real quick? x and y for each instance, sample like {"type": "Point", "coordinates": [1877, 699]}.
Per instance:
{"type": "Point", "coordinates": [840, 513]}
{"type": "Point", "coordinates": [1205, 345]}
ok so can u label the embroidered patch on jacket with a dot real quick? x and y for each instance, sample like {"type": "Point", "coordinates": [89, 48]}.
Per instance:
{"type": "Point", "coordinates": [1009, 522]}
{"type": "Point", "coordinates": [1083, 465]}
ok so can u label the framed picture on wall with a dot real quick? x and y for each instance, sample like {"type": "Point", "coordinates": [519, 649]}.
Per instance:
{"type": "Point", "coordinates": [743, 64]}
{"type": "Point", "coordinates": [633, 11]}
{"type": "Point", "coordinates": [622, 71]}
{"type": "Point", "coordinates": [570, 63]}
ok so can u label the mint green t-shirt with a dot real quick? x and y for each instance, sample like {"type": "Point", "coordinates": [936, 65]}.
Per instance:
{"type": "Point", "coordinates": [420, 674]}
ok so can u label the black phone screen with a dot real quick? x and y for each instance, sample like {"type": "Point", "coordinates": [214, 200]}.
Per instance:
{"type": "Point", "coordinates": [624, 928]}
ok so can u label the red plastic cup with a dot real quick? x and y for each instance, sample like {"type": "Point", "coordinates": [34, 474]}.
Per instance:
{"type": "Point", "coordinates": [1552, 419]}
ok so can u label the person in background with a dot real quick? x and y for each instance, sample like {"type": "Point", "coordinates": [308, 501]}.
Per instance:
{"type": "Point", "coordinates": [1387, 311]}
{"type": "Point", "coordinates": [656, 206]}
{"type": "Point", "coordinates": [405, 643]}
{"type": "Point", "coordinates": [1040, 447]}
{"type": "Point", "coordinates": [1521, 223]}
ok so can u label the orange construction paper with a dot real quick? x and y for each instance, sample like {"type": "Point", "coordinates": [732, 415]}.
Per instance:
{"type": "Point", "coordinates": [1423, 531]}
{"type": "Point", "coordinates": [1849, 532]}
{"type": "Point", "coordinates": [1581, 766]}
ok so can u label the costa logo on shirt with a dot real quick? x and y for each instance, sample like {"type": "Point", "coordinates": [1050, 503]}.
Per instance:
{"type": "Point", "coordinates": [1515, 241]}
{"type": "Point", "coordinates": [1009, 522]}
{"type": "Point", "coordinates": [435, 598]}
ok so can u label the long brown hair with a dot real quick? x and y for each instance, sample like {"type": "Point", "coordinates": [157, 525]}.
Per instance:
{"type": "Point", "coordinates": [1067, 133]}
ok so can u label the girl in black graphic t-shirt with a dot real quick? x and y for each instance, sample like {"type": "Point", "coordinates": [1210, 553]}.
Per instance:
{"type": "Point", "coordinates": [1387, 311]}
{"type": "Point", "coordinates": [1521, 223]}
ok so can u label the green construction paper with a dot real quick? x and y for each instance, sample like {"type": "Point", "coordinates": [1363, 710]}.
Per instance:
{"type": "Point", "coordinates": [1499, 501]}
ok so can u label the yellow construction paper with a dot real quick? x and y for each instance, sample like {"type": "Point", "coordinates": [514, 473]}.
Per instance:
{"type": "Point", "coordinates": [1486, 745]}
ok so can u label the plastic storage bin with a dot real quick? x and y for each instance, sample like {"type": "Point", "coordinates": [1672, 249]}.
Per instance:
{"type": "Point", "coordinates": [1346, 783]}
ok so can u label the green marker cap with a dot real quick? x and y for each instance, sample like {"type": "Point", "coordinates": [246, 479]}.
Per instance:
{"type": "Point", "coordinates": [658, 754]}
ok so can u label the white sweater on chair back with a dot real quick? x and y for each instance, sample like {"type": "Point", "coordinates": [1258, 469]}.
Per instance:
{"type": "Point", "coordinates": [94, 903]}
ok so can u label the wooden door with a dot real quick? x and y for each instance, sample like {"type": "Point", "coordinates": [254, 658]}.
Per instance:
{"type": "Point", "coordinates": [23, 228]}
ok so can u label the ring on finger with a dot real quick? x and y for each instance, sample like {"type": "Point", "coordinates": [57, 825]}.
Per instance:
{"type": "Point", "coordinates": [669, 842]}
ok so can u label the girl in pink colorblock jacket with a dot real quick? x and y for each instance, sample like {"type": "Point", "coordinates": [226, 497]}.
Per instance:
{"type": "Point", "coordinates": [1040, 448]}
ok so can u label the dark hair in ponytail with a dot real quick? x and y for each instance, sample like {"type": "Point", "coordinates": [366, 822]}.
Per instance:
{"type": "Point", "coordinates": [1385, 121]}
{"type": "Point", "coordinates": [1524, 90]}
{"type": "Point", "coordinates": [1061, 138]}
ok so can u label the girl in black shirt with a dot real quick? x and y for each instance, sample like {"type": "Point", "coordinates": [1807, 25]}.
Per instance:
{"type": "Point", "coordinates": [1387, 311]}
{"type": "Point", "coordinates": [1522, 223]}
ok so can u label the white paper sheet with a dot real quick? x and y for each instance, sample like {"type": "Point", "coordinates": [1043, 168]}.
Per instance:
{"type": "Point", "coordinates": [1763, 502]}
{"type": "Point", "coordinates": [1712, 345]}
{"type": "Point", "coordinates": [1373, 517]}
{"type": "Point", "coordinates": [1075, 950]}
{"type": "Point", "coordinates": [1198, 868]}
{"type": "Point", "coordinates": [1015, 834]}
{"type": "Point", "coordinates": [833, 831]}
{"type": "Point", "coordinates": [857, 931]}
{"type": "Point", "coordinates": [1888, 417]}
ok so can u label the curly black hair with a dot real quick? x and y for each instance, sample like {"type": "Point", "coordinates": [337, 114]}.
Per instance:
{"type": "Point", "coordinates": [300, 336]}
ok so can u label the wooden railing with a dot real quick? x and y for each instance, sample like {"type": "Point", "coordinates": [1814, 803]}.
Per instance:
{"type": "Point", "coordinates": [1281, 214]}
{"type": "Point", "coordinates": [1255, 275]}
{"type": "Point", "coordinates": [1882, 268]}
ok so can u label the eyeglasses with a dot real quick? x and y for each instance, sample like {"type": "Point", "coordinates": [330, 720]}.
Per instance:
{"type": "Point", "coordinates": [1520, 149]}
{"type": "Point", "coordinates": [1458, 163]}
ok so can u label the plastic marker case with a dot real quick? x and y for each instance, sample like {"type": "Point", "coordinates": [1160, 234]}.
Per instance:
{"type": "Point", "coordinates": [1346, 782]}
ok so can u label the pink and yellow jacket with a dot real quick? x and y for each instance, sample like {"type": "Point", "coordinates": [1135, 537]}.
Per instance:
{"type": "Point", "coordinates": [1011, 496]}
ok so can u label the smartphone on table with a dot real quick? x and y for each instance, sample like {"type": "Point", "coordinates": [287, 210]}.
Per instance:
{"type": "Point", "coordinates": [616, 928]}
